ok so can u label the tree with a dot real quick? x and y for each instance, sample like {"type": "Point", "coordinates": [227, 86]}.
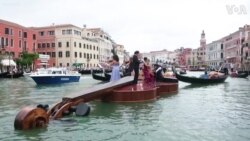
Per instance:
{"type": "Point", "coordinates": [27, 59]}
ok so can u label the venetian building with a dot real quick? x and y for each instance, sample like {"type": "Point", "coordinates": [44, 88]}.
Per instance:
{"type": "Point", "coordinates": [68, 46]}
{"type": "Point", "coordinates": [160, 57]}
{"type": "Point", "coordinates": [184, 56]}
{"type": "Point", "coordinates": [120, 52]}
{"type": "Point", "coordinates": [245, 59]}
{"type": "Point", "coordinates": [104, 42]}
{"type": "Point", "coordinates": [214, 57]}
{"type": "Point", "coordinates": [15, 39]}
{"type": "Point", "coordinates": [236, 47]}
{"type": "Point", "coordinates": [126, 56]}
{"type": "Point", "coordinates": [193, 57]}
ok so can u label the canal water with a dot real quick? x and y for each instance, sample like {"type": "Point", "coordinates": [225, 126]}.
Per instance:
{"type": "Point", "coordinates": [219, 112]}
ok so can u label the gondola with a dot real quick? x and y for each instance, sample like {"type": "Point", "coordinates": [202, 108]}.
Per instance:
{"type": "Point", "coordinates": [100, 78]}
{"type": "Point", "coordinates": [13, 75]}
{"type": "Point", "coordinates": [183, 72]}
{"type": "Point", "coordinates": [197, 80]}
{"type": "Point", "coordinates": [239, 75]}
{"type": "Point", "coordinates": [3, 74]}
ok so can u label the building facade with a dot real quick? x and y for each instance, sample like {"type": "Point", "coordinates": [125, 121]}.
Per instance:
{"type": "Point", "coordinates": [67, 46]}
{"type": "Point", "coordinates": [214, 54]}
{"type": "Point", "coordinates": [15, 39]}
{"type": "Point", "coordinates": [104, 42]}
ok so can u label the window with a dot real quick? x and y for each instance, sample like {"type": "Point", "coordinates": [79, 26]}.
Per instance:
{"type": "Point", "coordinates": [6, 42]}
{"type": "Point", "coordinates": [49, 53]}
{"type": "Point", "coordinates": [84, 55]}
{"type": "Point", "coordinates": [96, 48]}
{"type": "Point", "coordinates": [75, 54]}
{"type": "Point", "coordinates": [80, 45]}
{"type": "Point", "coordinates": [20, 44]}
{"type": "Point", "coordinates": [67, 32]}
{"type": "Point", "coordinates": [90, 56]}
{"type": "Point", "coordinates": [53, 45]}
{"type": "Point", "coordinates": [48, 44]}
{"type": "Point", "coordinates": [93, 47]}
{"type": "Point", "coordinates": [25, 35]}
{"type": "Point", "coordinates": [53, 54]}
{"type": "Point", "coordinates": [60, 54]}
{"type": "Point", "coordinates": [60, 64]}
{"type": "Point", "coordinates": [11, 42]}
{"type": "Point", "coordinates": [2, 42]}
{"type": "Point", "coordinates": [6, 31]}
{"type": "Point", "coordinates": [94, 56]}
{"type": "Point", "coordinates": [80, 54]}
{"type": "Point", "coordinates": [83, 45]}
{"type": "Point", "coordinates": [51, 32]}
{"type": "Point", "coordinates": [67, 44]}
{"type": "Point", "coordinates": [67, 54]}
{"type": "Point", "coordinates": [97, 57]}
{"type": "Point", "coordinates": [38, 45]}
{"type": "Point", "coordinates": [11, 33]}
{"type": "Point", "coordinates": [67, 64]}
{"type": "Point", "coordinates": [74, 44]}
{"type": "Point", "coordinates": [24, 45]}
{"type": "Point", "coordinates": [34, 36]}
{"type": "Point", "coordinates": [87, 46]}
{"type": "Point", "coordinates": [59, 44]}
{"type": "Point", "coordinates": [77, 32]}
{"type": "Point", "coordinates": [43, 45]}
{"type": "Point", "coordinates": [41, 33]}
{"type": "Point", "coordinates": [20, 34]}
{"type": "Point", "coordinates": [34, 47]}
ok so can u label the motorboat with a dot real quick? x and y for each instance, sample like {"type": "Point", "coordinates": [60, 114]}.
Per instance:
{"type": "Point", "coordinates": [55, 76]}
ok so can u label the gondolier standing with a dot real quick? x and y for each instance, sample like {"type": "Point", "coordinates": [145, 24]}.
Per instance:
{"type": "Point", "coordinates": [136, 64]}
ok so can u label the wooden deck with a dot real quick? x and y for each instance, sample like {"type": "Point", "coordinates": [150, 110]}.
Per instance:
{"type": "Point", "coordinates": [99, 90]}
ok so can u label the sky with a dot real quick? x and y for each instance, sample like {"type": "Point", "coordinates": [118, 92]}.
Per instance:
{"type": "Point", "coordinates": [144, 25]}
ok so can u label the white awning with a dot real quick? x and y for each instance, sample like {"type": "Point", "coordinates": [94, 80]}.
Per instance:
{"type": "Point", "coordinates": [7, 62]}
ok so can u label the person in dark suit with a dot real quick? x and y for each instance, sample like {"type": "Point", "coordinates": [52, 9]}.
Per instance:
{"type": "Point", "coordinates": [136, 64]}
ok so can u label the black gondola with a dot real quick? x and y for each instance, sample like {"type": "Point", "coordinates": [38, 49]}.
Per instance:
{"type": "Point", "coordinates": [101, 78]}
{"type": "Point", "coordinates": [3, 74]}
{"type": "Point", "coordinates": [197, 80]}
{"type": "Point", "coordinates": [240, 75]}
{"type": "Point", "coordinates": [13, 75]}
{"type": "Point", "coordinates": [183, 72]}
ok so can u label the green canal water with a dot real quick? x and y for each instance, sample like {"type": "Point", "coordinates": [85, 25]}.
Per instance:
{"type": "Point", "coordinates": [219, 112]}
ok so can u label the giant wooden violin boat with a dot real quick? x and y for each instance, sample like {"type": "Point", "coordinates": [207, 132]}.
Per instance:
{"type": "Point", "coordinates": [122, 90]}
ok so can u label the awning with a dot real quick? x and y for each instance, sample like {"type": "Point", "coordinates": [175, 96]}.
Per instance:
{"type": "Point", "coordinates": [7, 62]}
{"type": "Point", "coordinates": [77, 64]}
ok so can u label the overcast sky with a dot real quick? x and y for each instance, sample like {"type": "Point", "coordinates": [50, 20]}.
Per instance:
{"type": "Point", "coordinates": [146, 25]}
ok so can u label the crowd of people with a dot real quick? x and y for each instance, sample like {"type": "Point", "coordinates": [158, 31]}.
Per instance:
{"type": "Point", "coordinates": [138, 68]}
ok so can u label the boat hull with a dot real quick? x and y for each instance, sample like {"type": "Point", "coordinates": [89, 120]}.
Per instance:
{"type": "Point", "coordinates": [55, 79]}
{"type": "Point", "coordinates": [195, 80]}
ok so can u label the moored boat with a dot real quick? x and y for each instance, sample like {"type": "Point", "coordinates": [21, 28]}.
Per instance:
{"type": "Point", "coordinates": [13, 74]}
{"type": "Point", "coordinates": [239, 75]}
{"type": "Point", "coordinates": [55, 76]}
{"type": "Point", "coordinates": [101, 77]}
{"type": "Point", "coordinates": [200, 80]}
